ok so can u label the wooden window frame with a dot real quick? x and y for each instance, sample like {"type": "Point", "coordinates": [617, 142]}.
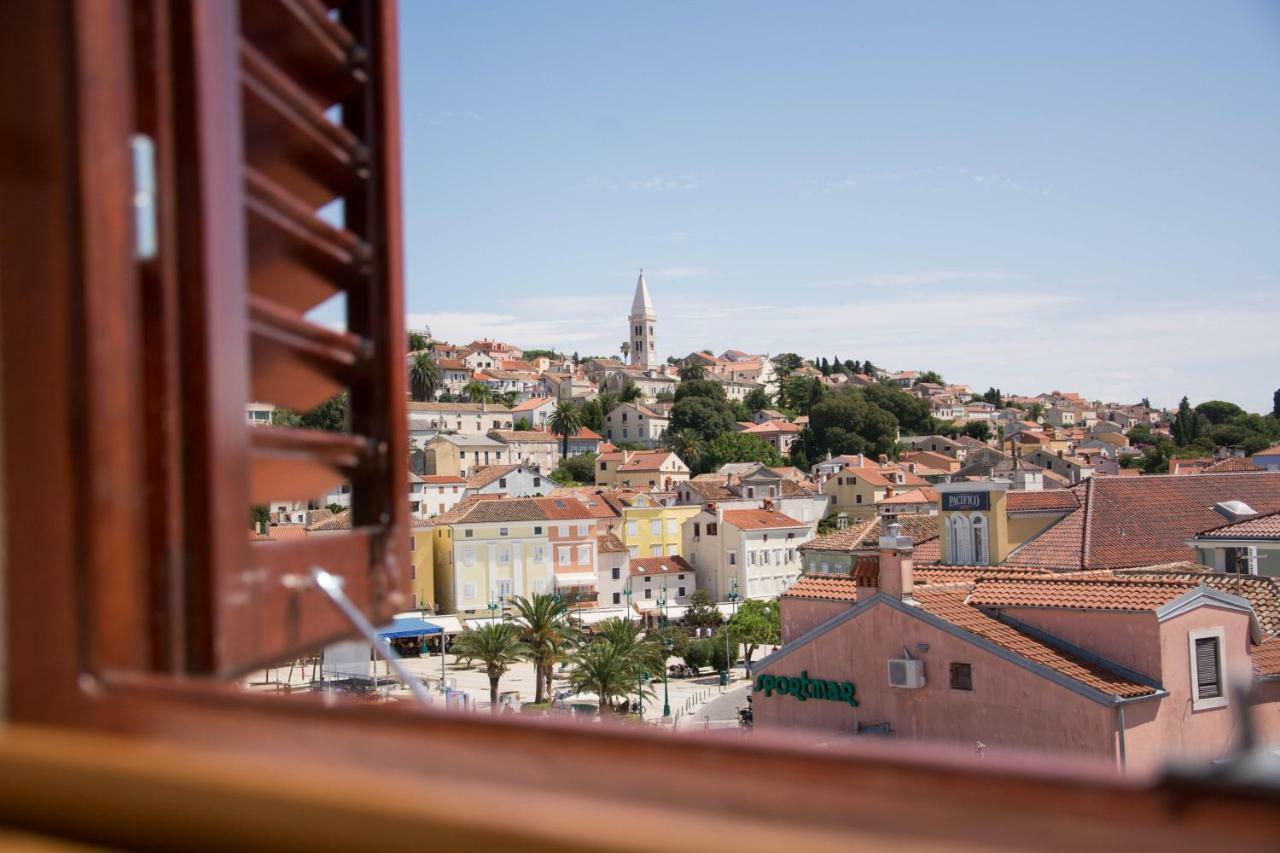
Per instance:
{"type": "Point", "coordinates": [102, 635]}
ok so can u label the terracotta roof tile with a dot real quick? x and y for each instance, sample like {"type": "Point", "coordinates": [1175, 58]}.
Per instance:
{"type": "Point", "coordinates": [609, 543]}
{"type": "Point", "coordinates": [1262, 593]}
{"type": "Point", "coordinates": [1131, 594]}
{"type": "Point", "coordinates": [950, 605]}
{"type": "Point", "coordinates": [827, 587]}
{"type": "Point", "coordinates": [341, 521]}
{"type": "Point", "coordinates": [760, 519]}
{"type": "Point", "coordinates": [1053, 499]}
{"type": "Point", "coordinates": [1141, 521]}
{"type": "Point", "coordinates": [865, 535]}
{"type": "Point", "coordinates": [563, 508]}
{"type": "Point", "coordinates": [1257, 527]}
{"type": "Point", "coordinates": [968, 574]}
{"type": "Point", "coordinates": [1232, 463]}
{"type": "Point", "coordinates": [660, 565]}
{"type": "Point", "coordinates": [1266, 658]}
{"type": "Point", "coordinates": [485, 475]}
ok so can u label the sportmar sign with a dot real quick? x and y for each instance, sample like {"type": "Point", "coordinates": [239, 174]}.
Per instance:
{"type": "Point", "coordinates": [803, 687]}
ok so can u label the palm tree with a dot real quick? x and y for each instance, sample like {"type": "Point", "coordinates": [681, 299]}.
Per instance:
{"type": "Point", "coordinates": [565, 422]}
{"type": "Point", "coordinates": [687, 444]}
{"type": "Point", "coordinates": [645, 653]}
{"type": "Point", "coordinates": [478, 392]}
{"type": "Point", "coordinates": [424, 377]}
{"type": "Point", "coordinates": [543, 623]}
{"type": "Point", "coordinates": [626, 350]}
{"type": "Point", "coordinates": [496, 645]}
{"type": "Point", "coordinates": [605, 669]}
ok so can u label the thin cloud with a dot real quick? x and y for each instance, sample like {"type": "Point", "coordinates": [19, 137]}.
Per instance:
{"type": "Point", "coordinates": [656, 182]}
{"type": "Point", "coordinates": [916, 278]}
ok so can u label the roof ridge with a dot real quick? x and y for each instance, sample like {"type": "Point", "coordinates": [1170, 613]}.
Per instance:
{"type": "Point", "coordinates": [1087, 526]}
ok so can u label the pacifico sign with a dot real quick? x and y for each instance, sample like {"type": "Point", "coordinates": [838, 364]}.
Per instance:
{"type": "Point", "coordinates": [803, 687]}
{"type": "Point", "coordinates": [965, 501]}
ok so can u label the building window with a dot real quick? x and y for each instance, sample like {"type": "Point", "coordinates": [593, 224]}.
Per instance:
{"type": "Point", "coordinates": [648, 591]}
{"type": "Point", "coordinates": [563, 553]}
{"type": "Point", "coordinates": [537, 482]}
{"type": "Point", "coordinates": [857, 499]}
{"type": "Point", "coordinates": [537, 531]}
{"type": "Point", "coordinates": [468, 591]}
{"type": "Point", "coordinates": [712, 528]}
{"type": "Point", "coordinates": [502, 483]}
{"type": "Point", "coordinates": [504, 556]}
{"type": "Point", "coordinates": [961, 676]}
{"type": "Point", "coordinates": [538, 554]}
{"type": "Point", "coordinates": [680, 591]}
{"type": "Point", "coordinates": [413, 572]}
{"type": "Point", "coordinates": [633, 551]}
{"type": "Point", "coordinates": [539, 585]}
{"type": "Point", "coordinates": [655, 528]}
{"type": "Point", "coordinates": [632, 528]}
{"type": "Point", "coordinates": [733, 558]}
{"type": "Point", "coordinates": [502, 531]}
{"type": "Point", "coordinates": [1208, 676]}
{"type": "Point", "coordinates": [697, 530]}
{"type": "Point", "coordinates": [504, 588]}
{"type": "Point", "coordinates": [617, 597]}
{"type": "Point", "coordinates": [616, 574]}
{"type": "Point", "coordinates": [980, 540]}
{"type": "Point", "coordinates": [469, 556]}
{"type": "Point", "coordinates": [655, 550]}
{"type": "Point", "coordinates": [584, 555]}
{"type": "Point", "coordinates": [671, 525]}
{"type": "Point", "coordinates": [467, 534]}
{"type": "Point", "coordinates": [413, 544]}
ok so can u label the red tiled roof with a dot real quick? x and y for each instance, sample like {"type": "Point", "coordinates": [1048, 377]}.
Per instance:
{"type": "Point", "coordinates": [1258, 527]}
{"type": "Point", "coordinates": [1046, 501]}
{"type": "Point", "coordinates": [586, 433]}
{"type": "Point", "coordinates": [865, 535]}
{"type": "Point", "coordinates": [609, 543]}
{"type": "Point", "coordinates": [828, 587]}
{"type": "Point", "coordinates": [1274, 450]}
{"type": "Point", "coordinates": [1127, 522]}
{"type": "Point", "coordinates": [1266, 658]}
{"type": "Point", "coordinates": [1231, 463]}
{"type": "Point", "coordinates": [950, 605]}
{"type": "Point", "coordinates": [341, 521]}
{"type": "Point", "coordinates": [487, 474]}
{"type": "Point", "coordinates": [441, 479]}
{"type": "Point", "coordinates": [1077, 594]}
{"type": "Point", "coordinates": [913, 496]}
{"type": "Point", "coordinates": [1262, 593]}
{"type": "Point", "coordinates": [927, 576]}
{"type": "Point", "coordinates": [660, 565]}
{"type": "Point", "coordinates": [759, 519]}
{"type": "Point", "coordinates": [563, 508]}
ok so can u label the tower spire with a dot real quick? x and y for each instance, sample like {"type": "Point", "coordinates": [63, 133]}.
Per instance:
{"type": "Point", "coordinates": [643, 323]}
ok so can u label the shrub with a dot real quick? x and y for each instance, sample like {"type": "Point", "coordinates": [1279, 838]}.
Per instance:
{"type": "Point", "coordinates": [698, 654]}
{"type": "Point", "coordinates": [716, 653]}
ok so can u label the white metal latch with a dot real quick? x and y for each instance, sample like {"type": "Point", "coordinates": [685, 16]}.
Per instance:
{"type": "Point", "coordinates": [144, 197]}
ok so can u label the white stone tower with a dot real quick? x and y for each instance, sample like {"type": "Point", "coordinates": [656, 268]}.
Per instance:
{"type": "Point", "coordinates": [644, 352]}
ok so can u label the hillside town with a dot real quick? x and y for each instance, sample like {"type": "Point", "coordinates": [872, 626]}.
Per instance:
{"type": "Point", "coordinates": [1114, 560]}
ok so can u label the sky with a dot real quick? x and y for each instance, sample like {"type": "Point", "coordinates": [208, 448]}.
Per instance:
{"type": "Point", "coordinates": [1074, 196]}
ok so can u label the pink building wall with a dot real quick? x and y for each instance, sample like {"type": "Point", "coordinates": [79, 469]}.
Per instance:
{"type": "Point", "coordinates": [1171, 729]}
{"type": "Point", "coordinates": [1008, 707]}
{"type": "Point", "coordinates": [798, 615]}
{"type": "Point", "coordinates": [1129, 639]}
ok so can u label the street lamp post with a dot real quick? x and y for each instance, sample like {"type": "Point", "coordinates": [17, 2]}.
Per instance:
{"type": "Point", "coordinates": [733, 604]}
{"type": "Point", "coordinates": [666, 697]}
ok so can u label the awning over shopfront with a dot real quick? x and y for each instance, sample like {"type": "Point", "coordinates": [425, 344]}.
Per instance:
{"type": "Point", "coordinates": [599, 614]}
{"type": "Point", "coordinates": [575, 579]}
{"type": "Point", "coordinates": [411, 627]}
{"type": "Point", "coordinates": [449, 624]}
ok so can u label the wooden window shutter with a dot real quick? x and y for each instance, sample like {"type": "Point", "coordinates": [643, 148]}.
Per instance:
{"type": "Point", "coordinates": [282, 109]}
{"type": "Point", "coordinates": [1208, 682]}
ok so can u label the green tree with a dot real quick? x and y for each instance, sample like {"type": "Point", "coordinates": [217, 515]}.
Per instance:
{"type": "Point", "coordinates": [417, 341]}
{"type": "Point", "coordinates": [496, 645]}
{"type": "Point", "coordinates": [692, 370]}
{"type": "Point", "coordinates": [646, 653]}
{"type": "Point", "coordinates": [723, 655]}
{"type": "Point", "coordinates": [687, 444]}
{"type": "Point", "coordinates": [1185, 427]}
{"type": "Point", "coordinates": [702, 611]}
{"type": "Point", "coordinates": [607, 401]}
{"type": "Point", "coordinates": [756, 624]}
{"type": "Point", "coordinates": [706, 388]}
{"type": "Point", "coordinates": [757, 399]}
{"type": "Point", "coordinates": [787, 362]}
{"type": "Point", "coordinates": [565, 422]}
{"type": "Point", "coordinates": [931, 376]}
{"type": "Point", "coordinates": [846, 423]}
{"type": "Point", "coordinates": [797, 456]}
{"type": "Point", "coordinates": [542, 621]}
{"type": "Point", "coordinates": [531, 354]}
{"type": "Point", "coordinates": [604, 669]}
{"type": "Point", "coordinates": [333, 415]}
{"type": "Point", "coordinates": [980, 430]}
{"type": "Point", "coordinates": [592, 417]}
{"type": "Point", "coordinates": [579, 469]}
{"type": "Point", "coordinates": [992, 396]}
{"type": "Point", "coordinates": [697, 654]}
{"type": "Point", "coordinates": [1275, 404]}
{"type": "Point", "coordinates": [478, 392]}
{"type": "Point", "coordinates": [1218, 411]}
{"type": "Point", "coordinates": [706, 417]}
{"type": "Point", "coordinates": [523, 425]}
{"type": "Point", "coordinates": [1035, 412]}
{"type": "Point", "coordinates": [630, 392]}
{"type": "Point", "coordinates": [509, 398]}
{"type": "Point", "coordinates": [911, 413]}
{"type": "Point", "coordinates": [738, 447]}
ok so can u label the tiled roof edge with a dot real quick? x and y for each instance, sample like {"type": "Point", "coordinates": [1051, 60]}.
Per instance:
{"type": "Point", "coordinates": [1079, 651]}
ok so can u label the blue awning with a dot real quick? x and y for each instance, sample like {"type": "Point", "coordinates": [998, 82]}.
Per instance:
{"type": "Point", "coordinates": [409, 628]}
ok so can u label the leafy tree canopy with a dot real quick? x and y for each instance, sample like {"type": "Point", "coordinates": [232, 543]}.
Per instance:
{"type": "Point", "coordinates": [700, 388]}
{"type": "Point", "coordinates": [707, 417]}
{"type": "Point", "coordinates": [932, 376]}
{"type": "Point", "coordinates": [580, 469]}
{"type": "Point", "coordinates": [739, 447]}
{"type": "Point", "coordinates": [757, 399]}
{"type": "Point", "coordinates": [1218, 411]}
{"type": "Point", "coordinates": [702, 612]}
{"type": "Point", "coordinates": [755, 624]}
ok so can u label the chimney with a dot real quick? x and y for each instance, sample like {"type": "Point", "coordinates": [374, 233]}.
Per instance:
{"type": "Point", "coordinates": [1059, 454]}
{"type": "Point", "coordinates": [884, 460]}
{"type": "Point", "coordinates": [897, 577]}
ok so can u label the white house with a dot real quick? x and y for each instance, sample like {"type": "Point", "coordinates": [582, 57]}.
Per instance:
{"type": "Point", "coordinates": [755, 547]}
{"type": "Point", "coordinates": [637, 423]}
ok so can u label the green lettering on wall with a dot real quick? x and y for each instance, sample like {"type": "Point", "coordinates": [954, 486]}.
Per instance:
{"type": "Point", "coordinates": [801, 687]}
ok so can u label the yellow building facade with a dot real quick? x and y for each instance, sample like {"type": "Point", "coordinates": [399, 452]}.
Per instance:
{"type": "Point", "coordinates": [650, 529]}
{"type": "Point", "coordinates": [479, 563]}
{"type": "Point", "coordinates": [422, 561]}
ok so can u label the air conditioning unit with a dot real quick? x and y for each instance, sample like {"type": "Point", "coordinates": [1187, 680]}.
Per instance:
{"type": "Point", "coordinates": [906, 673]}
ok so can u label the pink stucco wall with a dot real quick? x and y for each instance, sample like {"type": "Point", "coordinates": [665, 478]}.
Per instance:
{"type": "Point", "coordinates": [1171, 729]}
{"type": "Point", "coordinates": [1008, 707]}
{"type": "Point", "coordinates": [1130, 639]}
{"type": "Point", "coordinates": [798, 615]}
